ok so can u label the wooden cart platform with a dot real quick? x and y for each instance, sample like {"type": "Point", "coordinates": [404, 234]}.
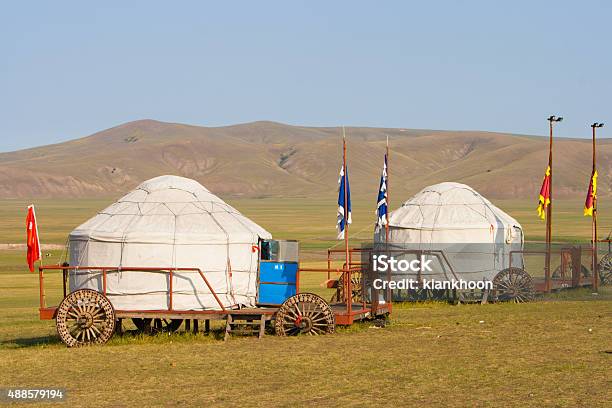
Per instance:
{"type": "Point", "coordinates": [87, 316]}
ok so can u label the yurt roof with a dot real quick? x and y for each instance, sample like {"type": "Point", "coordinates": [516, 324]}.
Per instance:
{"type": "Point", "coordinates": [449, 206]}
{"type": "Point", "coordinates": [170, 210]}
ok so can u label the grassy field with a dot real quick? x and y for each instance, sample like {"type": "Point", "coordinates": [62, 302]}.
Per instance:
{"type": "Point", "coordinates": [312, 221]}
{"type": "Point", "coordinates": [553, 352]}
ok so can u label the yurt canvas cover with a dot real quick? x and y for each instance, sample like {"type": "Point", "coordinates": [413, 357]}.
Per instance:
{"type": "Point", "coordinates": [166, 222]}
{"type": "Point", "coordinates": [477, 237]}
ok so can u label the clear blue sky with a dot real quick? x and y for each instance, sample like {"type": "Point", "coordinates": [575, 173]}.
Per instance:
{"type": "Point", "coordinates": [68, 69]}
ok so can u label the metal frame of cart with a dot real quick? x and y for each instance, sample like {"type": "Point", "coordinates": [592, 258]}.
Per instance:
{"type": "Point", "coordinates": [571, 273]}
{"type": "Point", "coordinates": [605, 263]}
{"type": "Point", "coordinates": [87, 316]}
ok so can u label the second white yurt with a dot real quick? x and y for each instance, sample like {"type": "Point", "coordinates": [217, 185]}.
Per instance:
{"type": "Point", "coordinates": [169, 222]}
{"type": "Point", "coordinates": [475, 235]}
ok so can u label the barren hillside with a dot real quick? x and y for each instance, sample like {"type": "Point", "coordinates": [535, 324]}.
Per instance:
{"type": "Point", "coordinates": [271, 159]}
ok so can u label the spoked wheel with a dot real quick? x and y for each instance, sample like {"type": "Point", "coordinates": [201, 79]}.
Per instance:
{"type": "Point", "coordinates": [85, 317]}
{"type": "Point", "coordinates": [154, 326]}
{"type": "Point", "coordinates": [356, 288]}
{"type": "Point", "coordinates": [513, 285]}
{"type": "Point", "coordinates": [605, 270]}
{"type": "Point", "coordinates": [304, 313]}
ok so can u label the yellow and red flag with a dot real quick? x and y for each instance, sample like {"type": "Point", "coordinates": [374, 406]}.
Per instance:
{"type": "Point", "coordinates": [544, 195]}
{"type": "Point", "coordinates": [33, 242]}
{"type": "Point", "coordinates": [589, 204]}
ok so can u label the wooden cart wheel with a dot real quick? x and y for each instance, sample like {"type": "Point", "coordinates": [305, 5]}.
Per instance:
{"type": "Point", "coordinates": [157, 325]}
{"type": "Point", "coordinates": [513, 285]}
{"type": "Point", "coordinates": [605, 270]}
{"type": "Point", "coordinates": [356, 288]}
{"type": "Point", "coordinates": [85, 317]}
{"type": "Point", "coordinates": [304, 313]}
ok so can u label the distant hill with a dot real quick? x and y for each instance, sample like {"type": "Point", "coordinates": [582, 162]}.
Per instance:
{"type": "Point", "coordinates": [267, 159]}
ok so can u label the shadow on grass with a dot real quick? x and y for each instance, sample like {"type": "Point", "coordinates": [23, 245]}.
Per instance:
{"type": "Point", "coordinates": [127, 337]}
{"type": "Point", "coordinates": [31, 342]}
{"type": "Point", "coordinates": [578, 294]}
{"type": "Point", "coordinates": [138, 337]}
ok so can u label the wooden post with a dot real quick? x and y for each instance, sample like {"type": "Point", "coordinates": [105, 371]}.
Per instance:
{"type": "Point", "coordinates": [119, 327]}
{"type": "Point", "coordinates": [262, 327]}
{"type": "Point", "coordinates": [41, 287]}
{"type": "Point", "coordinates": [228, 327]}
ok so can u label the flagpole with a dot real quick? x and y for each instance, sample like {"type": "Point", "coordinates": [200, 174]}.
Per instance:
{"type": "Point", "coordinates": [346, 245]}
{"type": "Point", "coordinates": [348, 293]}
{"type": "Point", "coordinates": [387, 186]}
{"type": "Point", "coordinates": [549, 208]}
{"type": "Point", "coordinates": [388, 297]}
{"type": "Point", "coordinates": [594, 221]}
{"type": "Point", "coordinates": [551, 119]}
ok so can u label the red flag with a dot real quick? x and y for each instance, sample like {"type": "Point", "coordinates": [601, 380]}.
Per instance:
{"type": "Point", "coordinates": [544, 200]}
{"type": "Point", "coordinates": [32, 238]}
{"type": "Point", "coordinates": [589, 204]}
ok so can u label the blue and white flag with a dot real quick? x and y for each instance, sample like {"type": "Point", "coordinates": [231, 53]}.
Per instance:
{"type": "Point", "coordinates": [342, 219]}
{"type": "Point", "coordinates": [381, 201]}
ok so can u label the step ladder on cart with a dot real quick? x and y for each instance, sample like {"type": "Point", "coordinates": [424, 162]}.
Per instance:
{"type": "Point", "coordinates": [246, 325]}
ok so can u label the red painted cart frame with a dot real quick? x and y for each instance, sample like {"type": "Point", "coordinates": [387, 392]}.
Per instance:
{"type": "Point", "coordinates": [345, 312]}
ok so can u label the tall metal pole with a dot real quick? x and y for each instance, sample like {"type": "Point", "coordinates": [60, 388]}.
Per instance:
{"type": "Point", "coordinates": [347, 273]}
{"type": "Point", "coordinates": [346, 226]}
{"type": "Point", "coordinates": [551, 119]}
{"type": "Point", "coordinates": [549, 209]}
{"type": "Point", "coordinates": [388, 206]}
{"type": "Point", "coordinates": [595, 277]}
{"type": "Point", "coordinates": [389, 298]}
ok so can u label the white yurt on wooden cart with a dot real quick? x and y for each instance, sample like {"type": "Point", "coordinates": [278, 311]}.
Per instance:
{"type": "Point", "coordinates": [475, 236]}
{"type": "Point", "coordinates": [169, 222]}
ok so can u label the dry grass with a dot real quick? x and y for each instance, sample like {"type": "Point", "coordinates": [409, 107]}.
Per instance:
{"type": "Point", "coordinates": [538, 354]}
